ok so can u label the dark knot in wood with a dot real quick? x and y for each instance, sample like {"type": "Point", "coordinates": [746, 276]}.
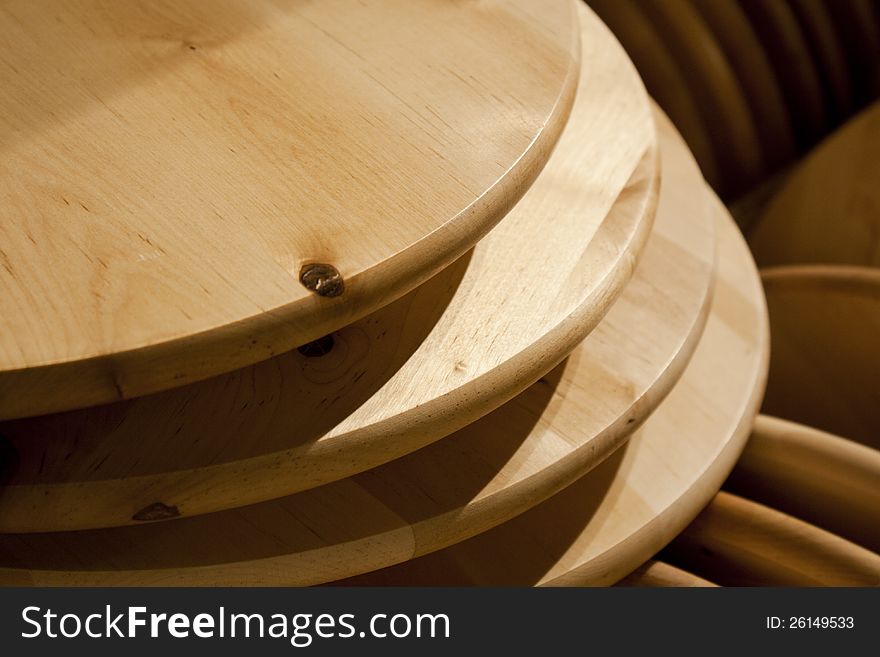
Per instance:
{"type": "Point", "coordinates": [322, 279]}
{"type": "Point", "coordinates": [317, 348]}
{"type": "Point", "coordinates": [156, 511]}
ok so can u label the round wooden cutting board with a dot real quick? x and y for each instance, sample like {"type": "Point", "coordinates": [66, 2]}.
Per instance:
{"type": "Point", "coordinates": [613, 519]}
{"type": "Point", "coordinates": [418, 369]}
{"type": "Point", "coordinates": [193, 187]}
{"type": "Point", "coordinates": [483, 475]}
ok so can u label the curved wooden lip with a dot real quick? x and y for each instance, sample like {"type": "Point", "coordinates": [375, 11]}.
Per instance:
{"type": "Point", "coordinates": [373, 437]}
{"type": "Point", "coordinates": [850, 276]}
{"type": "Point", "coordinates": [88, 379]}
{"type": "Point", "coordinates": [663, 77]}
{"type": "Point", "coordinates": [596, 553]}
{"type": "Point", "coordinates": [660, 574]}
{"type": "Point", "coordinates": [739, 542]}
{"type": "Point", "coordinates": [446, 492]}
{"type": "Point", "coordinates": [814, 475]}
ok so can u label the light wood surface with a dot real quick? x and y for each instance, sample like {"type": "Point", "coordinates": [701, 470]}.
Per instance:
{"type": "Point", "coordinates": [656, 574]}
{"type": "Point", "coordinates": [828, 211]}
{"type": "Point", "coordinates": [488, 472]}
{"type": "Point", "coordinates": [831, 482]}
{"type": "Point", "coordinates": [715, 88]}
{"type": "Point", "coordinates": [413, 372]}
{"type": "Point", "coordinates": [613, 519]}
{"type": "Point", "coordinates": [737, 39]}
{"type": "Point", "coordinates": [663, 78]}
{"type": "Point", "coordinates": [172, 171]}
{"type": "Point", "coordinates": [825, 360]}
{"type": "Point", "coordinates": [796, 73]}
{"type": "Point", "coordinates": [737, 542]}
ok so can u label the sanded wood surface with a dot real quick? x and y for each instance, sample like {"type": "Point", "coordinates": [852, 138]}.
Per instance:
{"type": "Point", "coordinates": [488, 472]}
{"type": "Point", "coordinates": [715, 88]}
{"type": "Point", "coordinates": [417, 370]}
{"type": "Point", "coordinates": [663, 77]}
{"type": "Point", "coordinates": [737, 542]}
{"type": "Point", "coordinates": [825, 360]}
{"type": "Point", "coordinates": [600, 528]}
{"type": "Point", "coordinates": [737, 39]}
{"type": "Point", "coordinates": [829, 481]}
{"type": "Point", "coordinates": [657, 574]}
{"type": "Point", "coordinates": [828, 211]}
{"type": "Point", "coordinates": [172, 173]}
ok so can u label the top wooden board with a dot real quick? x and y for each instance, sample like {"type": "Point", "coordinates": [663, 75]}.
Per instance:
{"type": "Point", "coordinates": [172, 172]}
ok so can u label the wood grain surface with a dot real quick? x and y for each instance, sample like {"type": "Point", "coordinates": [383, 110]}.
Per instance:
{"type": "Point", "coordinates": [413, 372]}
{"type": "Point", "coordinates": [828, 210]}
{"type": "Point", "coordinates": [737, 39]}
{"type": "Point", "coordinates": [715, 88]}
{"type": "Point", "coordinates": [173, 172]}
{"type": "Point", "coordinates": [657, 574]}
{"type": "Point", "coordinates": [831, 482]}
{"type": "Point", "coordinates": [825, 360]}
{"type": "Point", "coordinates": [488, 472]}
{"type": "Point", "coordinates": [737, 542]}
{"type": "Point", "coordinates": [663, 78]}
{"type": "Point", "coordinates": [613, 519]}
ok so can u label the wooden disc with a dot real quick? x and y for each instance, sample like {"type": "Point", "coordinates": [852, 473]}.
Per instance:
{"type": "Point", "coordinates": [609, 522]}
{"type": "Point", "coordinates": [662, 76]}
{"type": "Point", "coordinates": [189, 188]}
{"type": "Point", "coordinates": [828, 481]}
{"type": "Point", "coordinates": [825, 360]}
{"type": "Point", "coordinates": [737, 542]}
{"type": "Point", "coordinates": [828, 211]}
{"type": "Point", "coordinates": [713, 85]}
{"type": "Point", "coordinates": [656, 574]}
{"type": "Point", "coordinates": [789, 54]}
{"type": "Point", "coordinates": [415, 371]}
{"type": "Point", "coordinates": [737, 39]}
{"type": "Point", "coordinates": [488, 472]}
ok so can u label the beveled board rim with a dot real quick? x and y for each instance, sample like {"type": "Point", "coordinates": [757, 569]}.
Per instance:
{"type": "Point", "coordinates": [412, 408]}
{"type": "Point", "coordinates": [519, 482]}
{"type": "Point", "coordinates": [608, 552]}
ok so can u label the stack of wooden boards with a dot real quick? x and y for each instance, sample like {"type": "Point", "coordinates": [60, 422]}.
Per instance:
{"type": "Point", "coordinates": [288, 301]}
